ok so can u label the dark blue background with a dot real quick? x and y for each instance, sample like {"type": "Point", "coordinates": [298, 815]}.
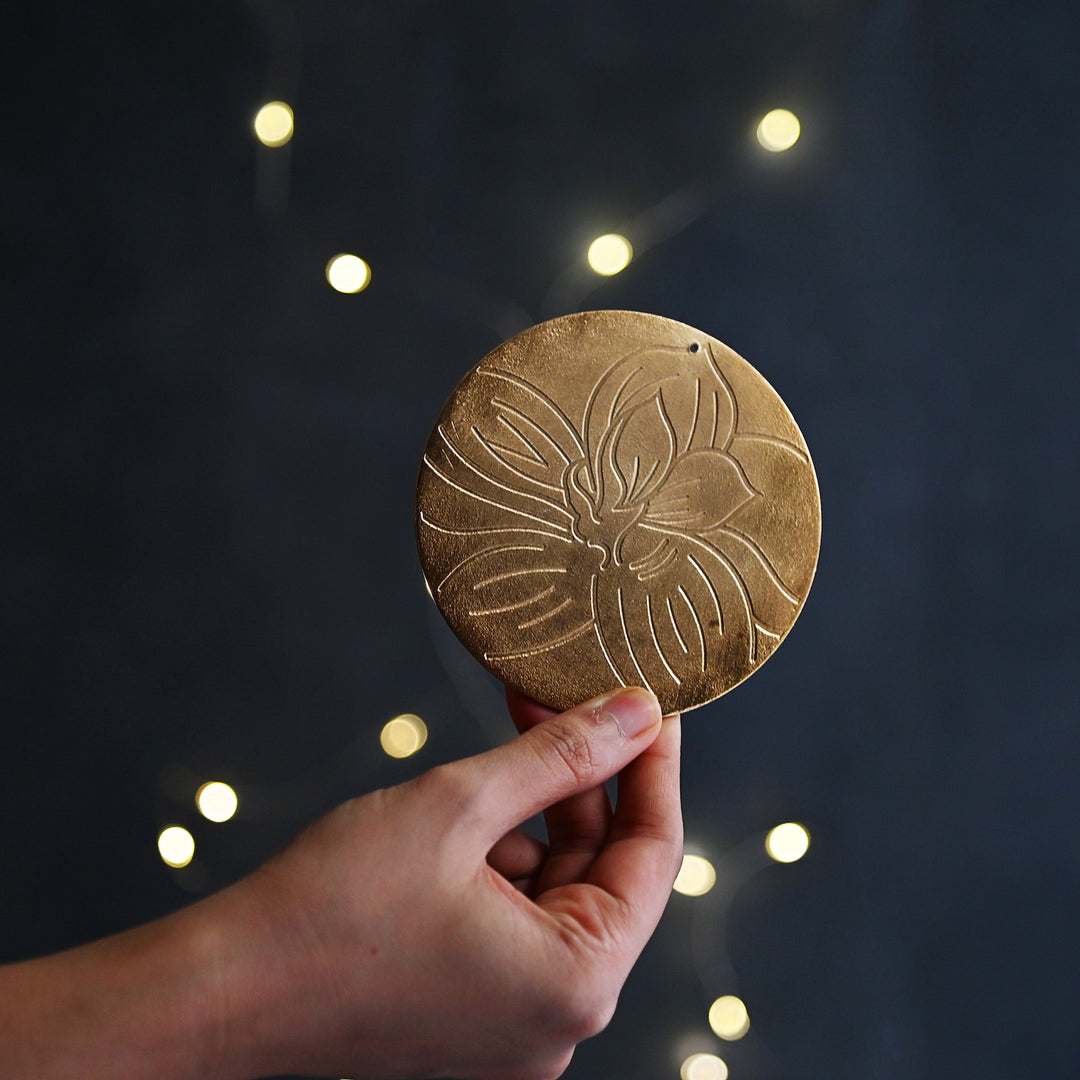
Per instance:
{"type": "Point", "coordinates": [208, 462]}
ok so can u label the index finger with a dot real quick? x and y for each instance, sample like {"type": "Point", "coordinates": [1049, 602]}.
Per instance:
{"type": "Point", "coordinates": [577, 827]}
{"type": "Point", "coordinates": [637, 866]}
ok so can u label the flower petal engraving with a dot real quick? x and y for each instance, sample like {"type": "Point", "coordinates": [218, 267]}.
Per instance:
{"type": "Point", "coordinates": [701, 491]}
{"type": "Point", "coordinates": [640, 450]}
{"type": "Point", "coordinates": [587, 507]}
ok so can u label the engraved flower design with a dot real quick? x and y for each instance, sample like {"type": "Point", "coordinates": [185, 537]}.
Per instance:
{"type": "Point", "coordinates": [635, 530]}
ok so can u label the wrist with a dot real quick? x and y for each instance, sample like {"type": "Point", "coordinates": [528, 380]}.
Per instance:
{"type": "Point", "coordinates": [133, 1005]}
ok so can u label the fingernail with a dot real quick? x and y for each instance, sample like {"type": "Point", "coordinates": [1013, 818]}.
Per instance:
{"type": "Point", "coordinates": [633, 711]}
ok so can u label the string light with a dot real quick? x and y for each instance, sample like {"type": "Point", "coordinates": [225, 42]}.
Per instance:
{"type": "Point", "coordinates": [274, 124]}
{"type": "Point", "coordinates": [787, 843]}
{"type": "Point", "coordinates": [403, 736]}
{"type": "Point", "coordinates": [176, 846]}
{"type": "Point", "coordinates": [778, 130]}
{"type": "Point", "coordinates": [610, 254]}
{"type": "Point", "coordinates": [703, 1067]}
{"type": "Point", "coordinates": [696, 876]}
{"type": "Point", "coordinates": [728, 1017]}
{"type": "Point", "coordinates": [348, 273]}
{"type": "Point", "coordinates": [216, 801]}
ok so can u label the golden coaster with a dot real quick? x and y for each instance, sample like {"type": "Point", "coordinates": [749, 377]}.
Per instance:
{"type": "Point", "coordinates": [613, 498]}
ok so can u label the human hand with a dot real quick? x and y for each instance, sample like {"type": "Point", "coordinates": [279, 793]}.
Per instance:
{"type": "Point", "coordinates": [416, 931]}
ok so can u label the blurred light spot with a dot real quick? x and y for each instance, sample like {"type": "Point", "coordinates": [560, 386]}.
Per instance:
{"type": "Point", "coordinates": [609, 254]}
{"type": "Point", "coordinates": [216, 801]}
{"type": "Point", "coordinates": [403, 736]}
{"type": "Point", "coordinates": [274, 124]}
{"type": "Point", "coordinates": [788, 842]}
{"type": "Point", "coordinates": [703, 1067]}
{"type": "Point", "coordinates": [348, 273]}
{"type": "Point", "coordinates": [728, 1018]}
{"type": "Point", "coordinates": [696, 876]}
{"type": "Point", "coordinates": [176, 846]}
{"type": "Point", "coordinates": [778, 130]}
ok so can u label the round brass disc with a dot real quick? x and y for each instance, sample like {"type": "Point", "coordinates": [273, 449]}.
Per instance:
{"type": "Point", "coordinates": [613, 498]}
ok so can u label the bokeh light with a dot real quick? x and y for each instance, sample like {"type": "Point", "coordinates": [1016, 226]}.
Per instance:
{"type": "Point", "coordinates": [778, 130]}
{"type": "Point", "coordinates": [348, 273]}
{"type": "Point", "coordinates": [216, 801]}
{"type": "Point", "coordinates": [696, 876]}
{"type": "Point", "coordinates": [403, 736]}
{"type": "Point", "coordinates": [274, 124]}
{"type": "Point", "coordinates": [728, 1017]}
{"type": "Point", "coordinates": [703, 1067]}
{"type": "Point", "coordinates": [788, 842]}
{"type": "Point", "coordinates": [610, 254]}
{"type": "Point", "coordinates": [176, 846]}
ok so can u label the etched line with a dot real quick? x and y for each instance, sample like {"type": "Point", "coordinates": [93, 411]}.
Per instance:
{"type": "Point", "coordinates": [529, 445]}
{"type": "Point", "coordinates": [531, 423]}
{"type": "Point", "coordinates": [743, 592]}
{"type": "Point", "coordinates": [495, 483]}
{"type": "Point", "coordinates": [516, 380]}
{"type": "Point", "coordinates": [638, 564]}
{"type": "Point", "coordinates": [770, 570]}
{"type": "Point", "coordinates": [715, 416]}
{"type": "Point", "coordinates": [618, 393]}
{"type": "Point", "coordinates": [712, 591]}
{"type": "Point", "coordinates": [634, 475]}
{"type": "Point", "coordinates": [626, 636]}
{"type": "Point", "coordinates": [490, 447]}
{"type": "Point", "coordinates": [697, 623]}
{"type": "Point", "coordinates": [577, 632]}
{"type": "Point", "coordinates": [775, 440]}
{"type": "Point", "coordinates": [697, 406]}
{"type": "Point", "coordinates": [730, 394]}
{"type": "Point", "coordinates": [660, 567]}
{"type": "Point", "coordinates": [523, 572]}
{"type": "Point", "coordinates": [675, 625]}
{"type": "Point", "coordinates": [546, 615]}
{"type": "Point", "coordinates": [599, 630]}
{"type": "Point", "coordinates": [489, 531]}
{"type": "Point", "coordinates": [768, 633]}
{"type": "Point", "coordinates": [516, 604]}
{"type": "Point", "coordinates": [648, 479]}
{"type": "Point", "coordinates": [495, 549]}
{"type": "Point", "coordinates": [656, 641]}
{"type": "Point", "coordinates": [641, 390]}
{"type": "Point", "coordinates": [565, 530]}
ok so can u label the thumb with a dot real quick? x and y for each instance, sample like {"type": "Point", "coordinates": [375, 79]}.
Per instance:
{"type": "Point", "coordinates": [561, 756]}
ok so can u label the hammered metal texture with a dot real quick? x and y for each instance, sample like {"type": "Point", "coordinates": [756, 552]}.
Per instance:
{"type": "Point", "coordinates": [614, 498]}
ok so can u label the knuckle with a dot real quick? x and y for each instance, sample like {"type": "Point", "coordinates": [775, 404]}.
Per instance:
{"type": "Point", "coordinates": [569, 748]}
{"type": "Point", "coordinates": [449, 788]}
{"type": "Point", "coordinates": [580, 1009]}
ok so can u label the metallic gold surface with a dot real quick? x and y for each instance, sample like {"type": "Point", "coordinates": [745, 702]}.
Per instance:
{"type": "Point", "coordinates": [613, 498]}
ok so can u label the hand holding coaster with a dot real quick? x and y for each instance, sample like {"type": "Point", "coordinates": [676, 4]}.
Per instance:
{"type": "Point", "coordinates": [613, 498]}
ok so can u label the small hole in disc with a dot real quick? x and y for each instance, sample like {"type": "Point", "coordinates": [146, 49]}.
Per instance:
{"type": "Point", "coordinates": [695, 347]}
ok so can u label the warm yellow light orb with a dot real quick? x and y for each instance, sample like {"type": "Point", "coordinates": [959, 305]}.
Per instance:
{"type": "Point", "coordinates": [348, 273]}
{"type": "Point", "coordinates": [403, 736]}
{"type": "Point", "coordinates": [274, 124]}
{"type": "Point", "coordinates": [728, 1017]}
{"type": "Point", "coordinates": [216, 801]}
{"type": "Point", "coordinates": [696, 876]}
{"type": "Point", "coordinates": [610, 254]}
{"type": "Point", "coordinates": [176, 846]}
{"type": "Point", "coordinates": [703, 1067]}
{"type": "Point", "coordinates": [778, 130]}
{"type": "Point", "coordinates": [788, 842]}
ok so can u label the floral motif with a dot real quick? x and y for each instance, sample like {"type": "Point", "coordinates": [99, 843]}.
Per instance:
{"type": "Point", "coordinates": [635, 529]}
